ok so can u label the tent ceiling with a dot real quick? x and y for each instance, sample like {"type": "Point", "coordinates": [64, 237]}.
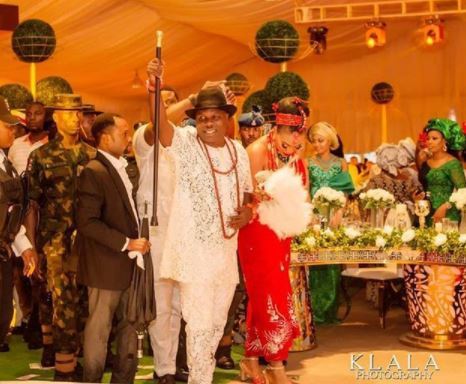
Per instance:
{"type": "Point", "coordinates": [101, 43]}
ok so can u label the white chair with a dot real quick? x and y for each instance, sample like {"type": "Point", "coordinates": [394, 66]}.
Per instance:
{"type": "Point", "coordinates": [384, 278]}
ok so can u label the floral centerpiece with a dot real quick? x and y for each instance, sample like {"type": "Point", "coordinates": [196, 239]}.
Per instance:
{"type": "Point", "coordinates": [326, 199]}
{"type": "Point", "coordinates": [425, 240]}
{"type": "Point", "coordinates": [458, 198]}
{"type": "Point", "coordinates": [377, 200]}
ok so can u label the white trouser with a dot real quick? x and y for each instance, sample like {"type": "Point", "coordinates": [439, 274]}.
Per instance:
{"type": "Point", "coordinates": [164, 331]}
{"type": "Point", "coordinates": [205, 309]}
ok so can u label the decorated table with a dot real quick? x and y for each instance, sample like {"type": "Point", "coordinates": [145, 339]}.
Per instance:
{"type": "Point", "coordinates": [433, 271]}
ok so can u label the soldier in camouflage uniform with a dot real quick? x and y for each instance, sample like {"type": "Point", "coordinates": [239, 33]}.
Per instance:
{"type": "Point", "coordinates": [54, 170]}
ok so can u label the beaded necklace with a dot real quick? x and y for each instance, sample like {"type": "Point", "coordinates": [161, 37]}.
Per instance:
{"type": "Point", "coordinates": [234, 163]}
{"type": "Point", "coordinates": [274, 156]}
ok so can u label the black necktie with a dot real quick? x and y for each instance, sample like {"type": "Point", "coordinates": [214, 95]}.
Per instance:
{"type": "Point", "coordinates": [9, 169]}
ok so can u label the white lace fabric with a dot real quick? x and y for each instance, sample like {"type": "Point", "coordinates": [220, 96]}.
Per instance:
{"type": "Point", "coordinates": [205, 310]}
{"type": "Point", "coordinates": [195, 248]}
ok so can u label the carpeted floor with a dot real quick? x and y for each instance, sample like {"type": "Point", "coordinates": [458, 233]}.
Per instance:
{"type": "Point", "coordinates": [329, 363]}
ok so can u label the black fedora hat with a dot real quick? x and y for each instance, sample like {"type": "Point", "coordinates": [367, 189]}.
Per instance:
{"type": "Point", "coordinates": [211, 98]}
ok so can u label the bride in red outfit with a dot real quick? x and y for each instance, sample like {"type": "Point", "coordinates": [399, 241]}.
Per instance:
{"type": "Point", "coordinates": [264, 244]}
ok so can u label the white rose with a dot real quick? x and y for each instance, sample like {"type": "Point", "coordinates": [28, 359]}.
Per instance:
{"type": "Point", "coordinates": [310, 242]}
{"type": "Point", "coordinates": [440, 239]}
{"type": "Point", "coordinates": [388, 229]}
{"type": "Point", "coordinates": [352, 233]}
{"type": "Point", "coordinates": [328, 232]}
{"type": "Point", "coordinates": [408, 235]}
{"type": "Point", "coordinates": [380, 242]}
{"type": "Point", "coordinates": [462, 238]}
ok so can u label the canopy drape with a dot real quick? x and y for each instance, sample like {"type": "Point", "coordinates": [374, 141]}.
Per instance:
{"type": "Point", "coordinates": [100, 45]}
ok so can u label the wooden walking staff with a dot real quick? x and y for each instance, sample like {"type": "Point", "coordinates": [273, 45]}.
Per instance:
{"type": "Point", "coordinates": [158, 54]}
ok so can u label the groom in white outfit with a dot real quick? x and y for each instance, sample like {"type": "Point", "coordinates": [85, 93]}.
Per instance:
{"type": "Point", "coordinates": [213, 187]}
{"type": "Point", "coordinates": [165, 329]}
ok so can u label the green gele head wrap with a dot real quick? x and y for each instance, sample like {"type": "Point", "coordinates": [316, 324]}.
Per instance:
{"type": "Point", "coordinates": [450, 130]}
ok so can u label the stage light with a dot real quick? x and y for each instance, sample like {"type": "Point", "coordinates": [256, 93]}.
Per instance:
{"type": "Point", "coordinates": [371, 41]}
{"type": "Point", "coordinates": [318, 39]}
{"type": "Point", "coordinates": [433, 31]}
{"type": "Point", "coordinates": [375, 33]}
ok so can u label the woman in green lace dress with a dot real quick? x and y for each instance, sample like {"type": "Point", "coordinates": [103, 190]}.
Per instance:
{"type": "Point", "coordinates": [441, 172]}
{"type": "Point", "coordinates": [326, 170]}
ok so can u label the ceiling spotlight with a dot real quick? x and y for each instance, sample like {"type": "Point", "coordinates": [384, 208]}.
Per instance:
{"type": "Point", "coordinates": [318, 39]}
{"type": "Point", "coordinates": [433, 31]}
{"type": "Point", "coordinates": [375, 33]}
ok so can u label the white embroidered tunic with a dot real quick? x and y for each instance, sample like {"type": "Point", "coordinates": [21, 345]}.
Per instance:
{"type": "Point", "coordinates": [195, 248]}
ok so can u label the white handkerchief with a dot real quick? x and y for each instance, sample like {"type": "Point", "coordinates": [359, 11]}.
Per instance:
{"type": "Point", "coordinates": [139, 258]}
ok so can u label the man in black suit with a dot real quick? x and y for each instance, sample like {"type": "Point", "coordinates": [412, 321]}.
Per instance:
{"type": "Point", "coordinates": [107, 229]}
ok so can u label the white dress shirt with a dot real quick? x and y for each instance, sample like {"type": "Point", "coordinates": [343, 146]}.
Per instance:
{"type": "Point", "coordinates": [21, 149]}
{"type": "Point", "coordinates": [21, 242]}
{"type": "Point", "coordinates": [120, 166]}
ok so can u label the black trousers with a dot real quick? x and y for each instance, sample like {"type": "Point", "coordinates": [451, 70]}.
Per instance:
{"type": "Point", "coordinates": [6, 297]}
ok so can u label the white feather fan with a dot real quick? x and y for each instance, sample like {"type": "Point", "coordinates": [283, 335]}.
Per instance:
{"type": "Point", "coordinates": [288, 213]}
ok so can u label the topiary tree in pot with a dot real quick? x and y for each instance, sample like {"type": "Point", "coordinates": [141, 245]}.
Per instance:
{"type": "Point", "coordinates": [17, 95]}
{"type": "Point", "coordinates": [277, 41]}
{"type": "Point", "coordinates": [238, 83]}
{"type": "Point", "coordinates": [48, 87]}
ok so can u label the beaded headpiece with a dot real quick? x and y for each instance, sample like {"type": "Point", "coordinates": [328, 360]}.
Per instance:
{"type": "Point", "coordinates": [290, 119]}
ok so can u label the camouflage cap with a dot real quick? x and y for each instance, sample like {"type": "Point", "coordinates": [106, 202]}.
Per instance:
{"type": "Point", "coordinates": [67, 102]}
{"type": "Point", "coordinates": [5, 114]}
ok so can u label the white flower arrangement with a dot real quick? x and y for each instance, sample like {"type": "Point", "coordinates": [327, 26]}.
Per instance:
{"type": "Point", "coordinates": [351, 232]}
{"type": "Point", "coordinates": [408, 235]}
{"type": "Point", "coordinates": [388, 230]}
{"type": "Point", "coordinates": [311, 241]}
{"type": "Point", "coordinates": [459, 198]}
{"type": "Point", "coordinates": [380, 242]}
{"type": "Point", "coordinates": [377, 198]}
{"type": "Point", "coordinates": [329, 233]}
{"type": "Point", "coordinates": [440, 239]}
{"type": "Point", "coordinates": [329, 197]}
{"type": "Point", "coordinates": [423, 240]}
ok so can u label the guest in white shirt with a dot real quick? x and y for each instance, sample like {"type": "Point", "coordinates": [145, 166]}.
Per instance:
{"type": "Point", "coordinates": [18, 154]}
{"type": "Point", "coordinates": [37, 136]}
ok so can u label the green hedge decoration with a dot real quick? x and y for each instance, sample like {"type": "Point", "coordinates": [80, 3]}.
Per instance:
{"type": "Point", "coordinates": [285, 84]}
{"type": "Point", "coordinates": [256, 98]}
{"type": "Point", "coordinates": [238, 83]}
{"type": "Point", "coordinates": [33, 41]}
{"type": "Point", "coordinates": [17, 95]}
{"type": "Point", "coordinates": [382, 93]}
{"type": "Point", "coordinates": [277, 41]}
{"type": "Point", "coordinates": [48, 87]}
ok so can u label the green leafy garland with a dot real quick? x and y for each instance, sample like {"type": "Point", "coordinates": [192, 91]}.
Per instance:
{"type": "Point", "coordinates": [424, 240]}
